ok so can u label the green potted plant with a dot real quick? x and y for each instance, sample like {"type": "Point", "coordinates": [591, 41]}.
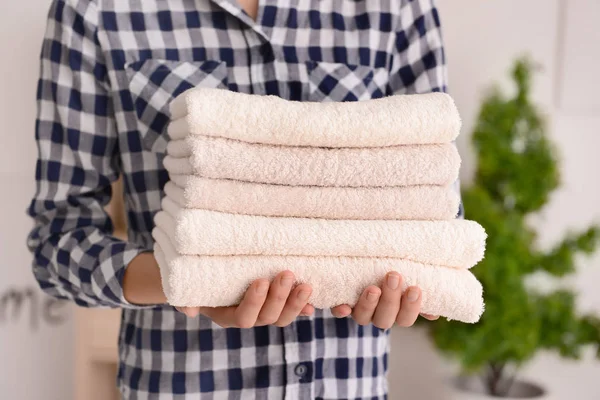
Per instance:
{"type": "Point", "coordinates": [517, 171]}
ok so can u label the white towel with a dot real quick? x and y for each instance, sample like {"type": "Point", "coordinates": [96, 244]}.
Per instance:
{"type": "Point", "coordinates": [457, 243]}
{"type": "Point", "coordinates": [216, 281]}
{"type": "Point", "coordinates": [404, 203]}
{"type": "Point", "coordinates": [389, 121]}
{"type": "Point", "coordinates": [435, 164]}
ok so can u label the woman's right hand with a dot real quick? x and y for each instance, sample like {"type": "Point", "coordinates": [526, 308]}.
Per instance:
{"type": "Point", "coordinates": [277, 303]}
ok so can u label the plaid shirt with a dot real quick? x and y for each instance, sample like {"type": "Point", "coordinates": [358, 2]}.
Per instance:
{"type": "Point", "coordinates": [108, 71]}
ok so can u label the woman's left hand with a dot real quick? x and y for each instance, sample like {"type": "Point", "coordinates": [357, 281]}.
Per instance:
{"type": "Point", "coordinates": [386, 305]}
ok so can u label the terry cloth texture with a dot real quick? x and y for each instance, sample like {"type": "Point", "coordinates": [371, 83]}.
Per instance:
{"type": "Point", "coordinates": [424, 202]}
{"type": "Point", "coordinates": [217, 158]}
{"type": "Point", "coordinates": [389, 121]}
{"type": "Point", "coordinates": [455, 243]}
{"type": "Point", "coordinates": [216, 281]}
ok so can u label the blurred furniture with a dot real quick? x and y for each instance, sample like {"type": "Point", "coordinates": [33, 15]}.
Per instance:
{"type": "Point", "coordinates": [97, 330]}
{"type": "Point", "coordinates": [96, 333]}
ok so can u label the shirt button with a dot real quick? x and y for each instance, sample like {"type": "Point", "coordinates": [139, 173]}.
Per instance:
{"type": "Point", "coordinates": [301, 370]}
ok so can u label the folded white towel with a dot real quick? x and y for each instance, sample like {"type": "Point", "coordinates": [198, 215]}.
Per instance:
{"type": "Point", "coordinates": [434, 164]}
{"type": "Point", "coordinates": [404, 203]}
{"type": "Point", "coordinates": [216, 281]}
{"type": "Point", "coordinates": [389, 121]}
{"type": "Point", "coordinates": [457, 243]}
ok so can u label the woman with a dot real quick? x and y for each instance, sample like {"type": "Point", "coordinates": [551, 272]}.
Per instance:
{"type": "Point", "coordinates": [108, 72]}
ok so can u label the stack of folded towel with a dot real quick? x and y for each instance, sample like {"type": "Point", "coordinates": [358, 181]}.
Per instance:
{"type": "Point", "coordinates": [338, 193]}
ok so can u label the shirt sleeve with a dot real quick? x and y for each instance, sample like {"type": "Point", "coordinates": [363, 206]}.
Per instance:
{"type": "Point", "coordinates": [419, 63]}
{"type": "Point", "coordinates": [75, 255]}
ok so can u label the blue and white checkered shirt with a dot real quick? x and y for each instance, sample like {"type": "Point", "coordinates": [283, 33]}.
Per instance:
{"type": "Point", "coordinates": [108, 71]}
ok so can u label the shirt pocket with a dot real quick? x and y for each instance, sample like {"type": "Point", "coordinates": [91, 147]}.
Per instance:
{"type": "Point", "coordinates": [345, 82]}
{"type": "Point", "coordinates": [153, 83]}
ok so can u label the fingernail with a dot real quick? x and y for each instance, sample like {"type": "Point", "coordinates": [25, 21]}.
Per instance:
{"type": "Point", "coordinates": [393, 281]}
{"type": "Point", "coordinates": [303, 295]}
{"type": "Point", "coordinates": [262, 288]}
{"type": "Point", "coordinates": [287, 281]}
{"type": "Point", "coordinates": [372, 296]}
{"type": "Point", "coordinates": [412, 295]}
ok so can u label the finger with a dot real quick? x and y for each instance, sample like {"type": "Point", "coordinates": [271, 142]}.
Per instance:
{"type": "Point", "coordinates": [341, 311]}
{"type": "Point", "coordinates": [366, 305]}
{"type": "Point", "coordinates": [278, 294]}
{"type": "Point", "coordinates": [247, 312]}
{"type": "Point", "coordinates": [411, 305]}
{"type": "Point", "coordinates": [430, 317]}
{"type": "Point", "coordinates": [222, 316]}
{"type": "Point", "coordinates": [191, 312]}
{"type": "Point", "coordinates": [295, 303]}
{"type": "Point", "coordinates": [308, 310]}
{"type": "Point", "coordinates": [389, 302]}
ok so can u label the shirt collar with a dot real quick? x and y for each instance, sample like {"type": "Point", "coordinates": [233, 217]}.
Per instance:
{"type": "Point", "coordinates": [234, 8]}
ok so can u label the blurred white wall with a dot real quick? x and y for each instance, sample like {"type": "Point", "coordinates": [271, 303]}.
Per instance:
{"type": "Point", "coordinates": [482, 40]}
{"type": "Point", "coordinates": [35, 331]}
